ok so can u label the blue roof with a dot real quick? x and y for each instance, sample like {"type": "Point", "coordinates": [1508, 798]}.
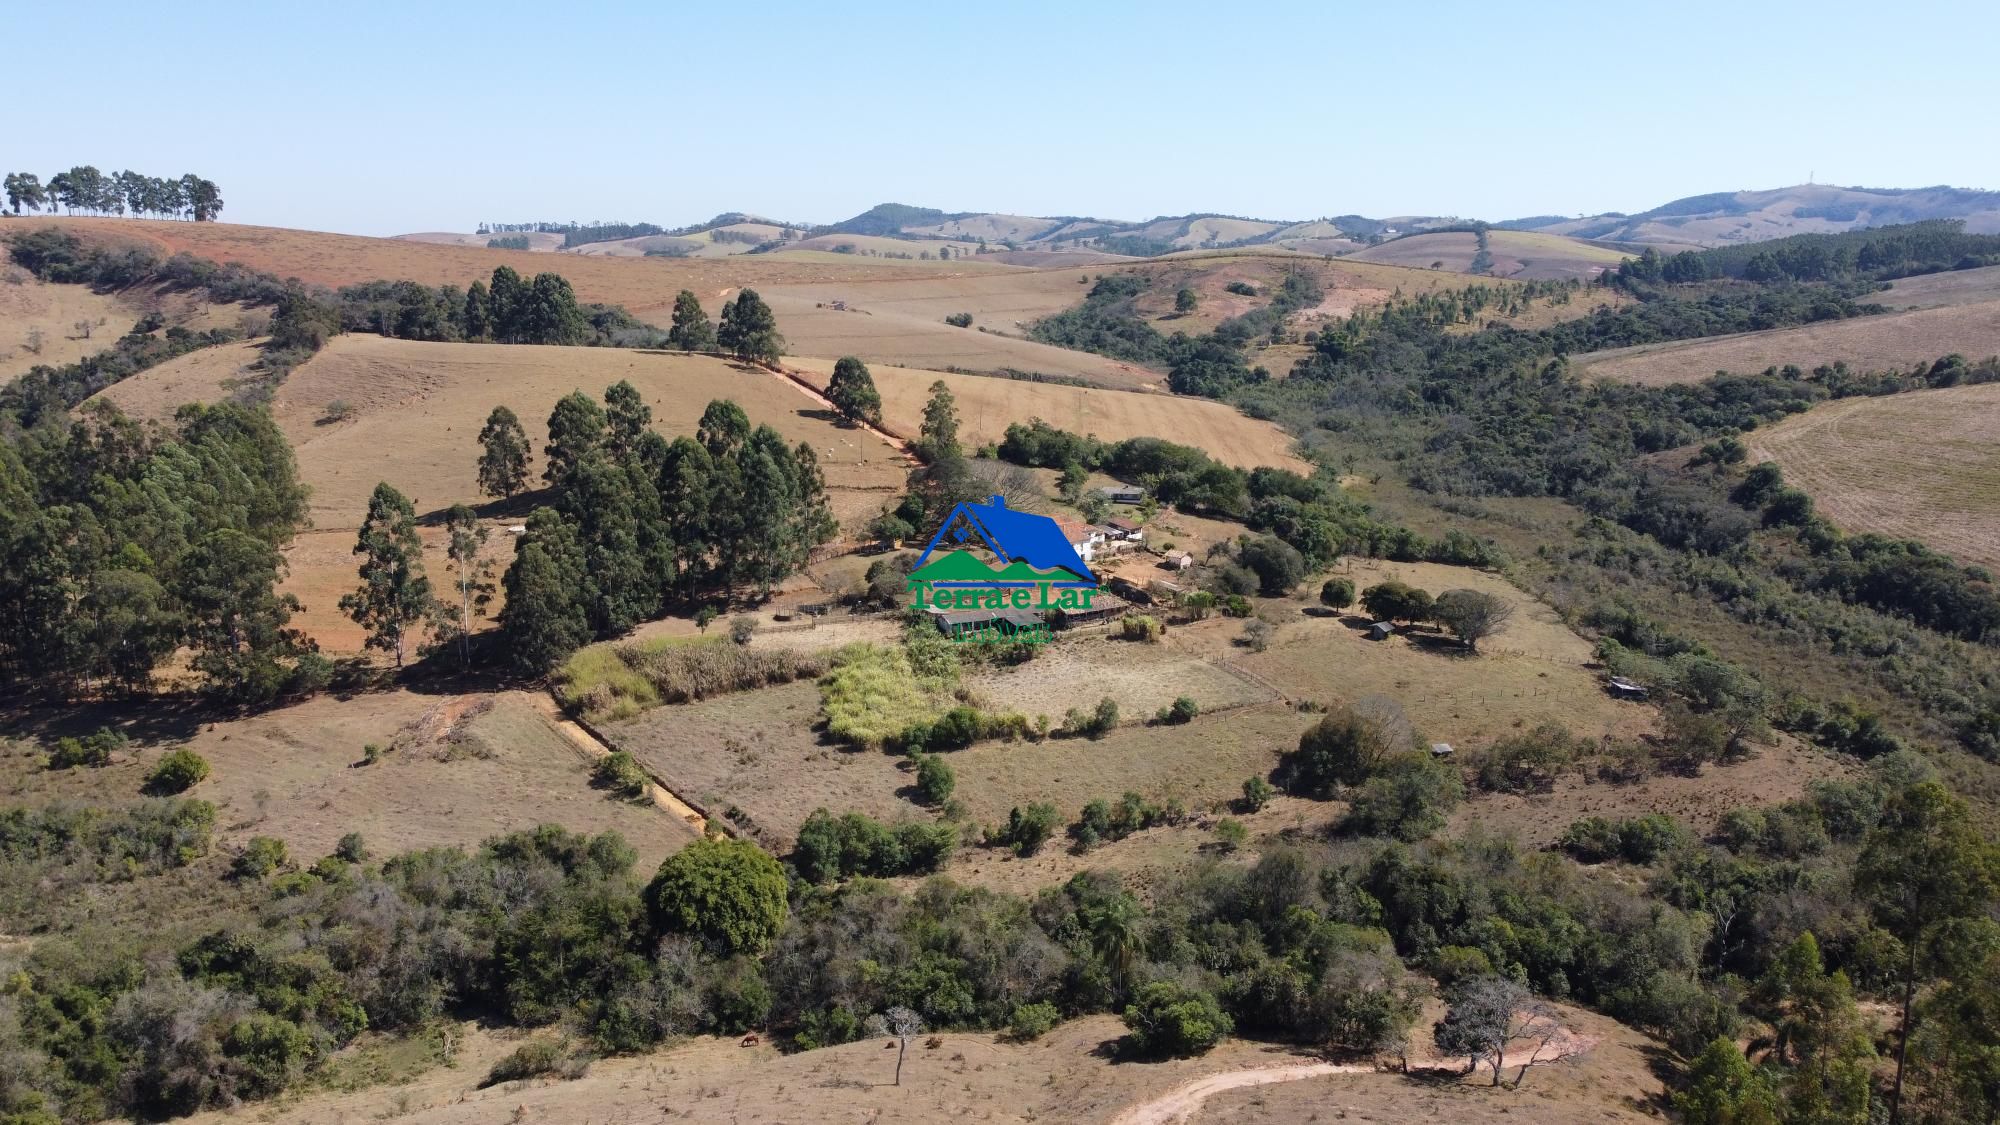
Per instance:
{"type": "Point", "coordinates": [1036, 539]}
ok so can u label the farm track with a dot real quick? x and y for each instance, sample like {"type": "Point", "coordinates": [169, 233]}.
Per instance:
{"type": "Point", "coordinates": [593, 747]}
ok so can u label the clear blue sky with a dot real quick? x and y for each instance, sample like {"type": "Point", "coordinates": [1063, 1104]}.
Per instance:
{"type": "Point", "coordinates": [387, 118]}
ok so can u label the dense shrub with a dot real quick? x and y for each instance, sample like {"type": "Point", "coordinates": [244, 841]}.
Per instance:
{"type": "Point", "coordinates": [1181, 710]}
{"type": "Point", "coordinates": [1342, 748]}
{"type": "Point", "coordinates": [618, 681]}
{"type": "Point", "coordinates": [260, 857]}
{"type": "Point", "coordinates": [621, 773]}
{"type": "Point", "coordinates": [728, 893]}
{"type": "Point", "coordinates": [177, 771]}
{"type": "Point", "coordinates": [1337, 593]}
{"type": "Point", "coordinates": [91, 750]}
{"type": "Point", "coordinates": [831, 848]}
{"type": "Point", "coordinates": [1170, 1020]}
{"type": "Point", "coordinates": [1640, 839]}
{"type": "Point", "coordinates": [1139, 627]}
{"type": "Point", "coordinates": [1095, 723]}
{"type": "Point", "coordinates": [1406, 798]}
{"type": "Point", "coordinates": [935, 780]}
{"type": "Point", "coordinates": [1027, 829]}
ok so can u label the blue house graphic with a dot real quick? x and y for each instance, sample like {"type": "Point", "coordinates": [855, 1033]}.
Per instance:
{"type": "Point", "coordinates": [1024, 536]}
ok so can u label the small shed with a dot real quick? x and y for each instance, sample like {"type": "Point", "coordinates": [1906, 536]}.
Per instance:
{"type": "Point", "coordinates": [1123, 494]}
{"type": "Point", "coordinates": [1182, 561]}
{"type": "Point", "coordinates": [1381, 630]}
{"type": "Point", "coordinates": [1441, 750]}
{"type": "Point", "coordinates": [1622, 688]}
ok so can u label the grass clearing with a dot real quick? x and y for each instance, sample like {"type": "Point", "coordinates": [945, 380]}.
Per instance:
{"type": "Point", "coordinates": [1864, 343]}
{"type": "Point", "coordinates": [874, 693]}
{"type": "Point", "coordinates": [1923, 465]}
{"type": "Point", "coordinates": [1080, 670]}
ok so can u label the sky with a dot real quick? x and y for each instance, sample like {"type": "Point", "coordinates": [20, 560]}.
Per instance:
{"type": "Point", "coordinates": [392, 118]}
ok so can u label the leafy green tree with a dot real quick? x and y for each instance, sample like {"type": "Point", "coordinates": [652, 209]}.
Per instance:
{"type": "Point", "coordinates": [394, 595]}
{"type": "Point", "coordinates": [852, 392]}
{"type": "Point", "coordinates": [1396, 601]}
{"type": "Point", "coordinates": [626, 415]}
{"type": "Point", "coordinates": [576, 427]}
{"type": "Point", "coordinates": [1722, 1089]}
{"type": "Point", "coordinates": [937, 438]}
{"type": "Point", "coordinates": [1337, 593]}
{"type": "Point", "coordinates": [1343, 748]}
{"type": "Point", "coordinates": [749, 329]}
{"type": "Point", "coordinates": [1186, 301]}
{"type": "Point", "coordinates": [729, 893]}
{"type": "Point", "coordinates": [615, 512]}
{"type": "Point", "coordinates": [691, 330]}
{"type": "Point", "coordinates": [549, 314]}
{"type": "Point", "coordinates": [1279, 568]}
{"type": "Point", "coordinates": [507, 298]}
{"type": "Point", "coordinates": [1923, 868]}
{"type": "Point", "coordinates": [1471, 615]}
{"type": "Point", "coordinates": [237, 622]}
{"type": "Point", "coordinates": [25, 188]}
{"type": "Point", "coordinates": [503, 456]}
{"type": "Point", "coordinates": [477, 319]}
{"type": "Point", "coordinates": [546, 616]}
{"type": "Point", "coordinates": [723, 428]}
{"type": "Point", "coordinates": [471, 583]}
{"type": "Point", "coordinates": [1406, 798]}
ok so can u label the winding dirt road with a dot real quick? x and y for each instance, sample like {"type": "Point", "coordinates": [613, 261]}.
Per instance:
{"type": "Point", "coordinates": [1180, 1103]}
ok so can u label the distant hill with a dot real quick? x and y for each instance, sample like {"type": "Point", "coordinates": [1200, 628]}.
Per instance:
{"type": "Point", "coordinates": [1728, 217]}
{"type": "Point", "coordinates": [1165, 234]}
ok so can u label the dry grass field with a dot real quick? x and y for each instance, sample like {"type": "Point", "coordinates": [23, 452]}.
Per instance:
{"type": "Point", "coordinates": [646, 286]}
{"type": "Point", "coordinates": [1867, 343]}
{"type": "Point", "coordinates": [987, 405]}
{"type": "Point", "coordinates": [1938, 290]}
{"type": "Point", "coordinates": [1066, 1076]}
{"type": "Point", "coordinates": [540, 242]}
{"type": "Point", "coordinates": [1923, 465]}
{"type": "Point", "coordinates": [202, 376]}
{"type": "Point", "coordinates": [1531, 672]}
{"type": "Point", "coordinates": [456, 770]}
{"type": "Point", "coordinates": [29, 305]}
{"type": "Point", "coordinates": [757, 753]}
{"type": "Point", "coordinates": [1096, 666]}
{"type": "Point", "coordinates": [1517, 254]}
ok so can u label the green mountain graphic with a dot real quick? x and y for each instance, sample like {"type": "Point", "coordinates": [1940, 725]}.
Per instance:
{"type": "Point", "coordinates": [964, 566]}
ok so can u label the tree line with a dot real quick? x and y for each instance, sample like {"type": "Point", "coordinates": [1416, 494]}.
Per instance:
{"type": "Point", "coordinates": [123, 543]}
{"type": "Point", "coordinates": [84, 188]}
{"type": "Point", "coordinates": [1873, 255]}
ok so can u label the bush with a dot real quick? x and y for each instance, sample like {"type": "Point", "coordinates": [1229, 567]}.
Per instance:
{"type": "Point", "coordinates": [1032, 1021]}
{"type": "Point", "coordinates": [1236, 605]}
{"type": "Point", "coordinates": [1337, 593]}
{"type": "Point", "coordinates": [539, 1058]}
{"type": "Point", "coordinates": [959, 320]}
{"type": "Point", "coordinates": [90, 750]}
{"type": "Point", "coordinates": [1139, 627]}
{"type": "Point", "coordinates": [1256, 793]}
{"type": "Point", "coordinates": [1181, 710]}
{"type": "Point", "coordinates": [741, 628]}
{"type": "Point", "coordinates": [177, 772]}
{"type": "Point", "coordinates": [1102, 822]}
{"type": "Point", "coordinates": [1230, 833]}
{"type": "Point", "coordinates": [351, 848]}
{"type": "Point", "coordinates": [1096, 723]}
{"type": "Point", "coordinates": [1172, 1020]}
{"type": "Point", "coordinates": [1256, 634]}
{"type": "Point", "coordinates": [935, 779]}
{"type": "Point", "coordinates": [621, 773]}
{"type": "Point", "coordinates": [261, 856]}
{"type": "Point", "coordinates": [1027, 830]}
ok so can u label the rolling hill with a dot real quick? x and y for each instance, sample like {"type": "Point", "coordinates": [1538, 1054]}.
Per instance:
{"type": "Point", "coordinates": [1722, 218]}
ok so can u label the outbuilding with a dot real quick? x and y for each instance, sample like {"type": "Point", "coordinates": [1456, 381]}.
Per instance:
{"type": "Point", "coordinates": [1123, 494]}
{"type": "Point", "coordinates": [1381, 630]}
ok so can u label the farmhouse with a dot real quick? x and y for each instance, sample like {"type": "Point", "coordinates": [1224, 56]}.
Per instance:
{"type": "Point", "coordinates": [1124, 531]}
{"type": "Point", "coordinates": [967, 622]}
{"type": "Point", "coordinates": [1123, 494]}
{"type": "Point", "coordinates": [1083, 538]}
